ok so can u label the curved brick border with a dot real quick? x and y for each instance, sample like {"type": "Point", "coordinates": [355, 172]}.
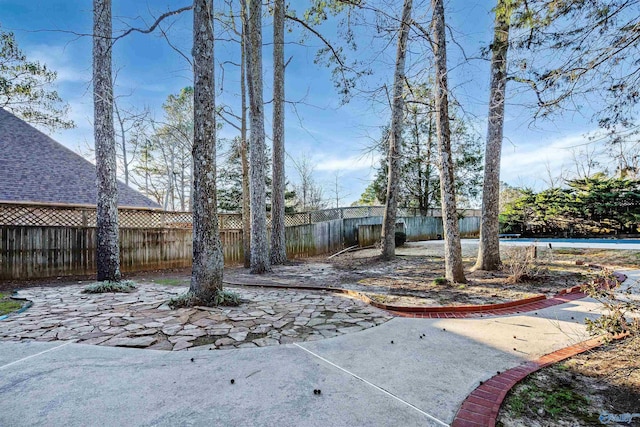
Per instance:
{"type": "Point", "coordinates": [481, 407]}
{"type": "Point", "coordinates": [536, 302]}
{"type": "Point", "coordinates": [459, 308]}
{"type": "Point", "coordinates": [514, 307]}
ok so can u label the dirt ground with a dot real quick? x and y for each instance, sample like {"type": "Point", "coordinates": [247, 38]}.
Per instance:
{"type": "Point", "coordinates": [578, 391]}
{"type": "Point", "coordinates": [415, 277]}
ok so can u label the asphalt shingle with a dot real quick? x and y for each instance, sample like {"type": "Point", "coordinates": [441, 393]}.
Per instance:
{"type": "Point", "coordinates": [35, 168]}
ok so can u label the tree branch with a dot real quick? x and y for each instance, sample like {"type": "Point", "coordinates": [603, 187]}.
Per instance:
{"type": "Point", "coordinates": [155, 24]}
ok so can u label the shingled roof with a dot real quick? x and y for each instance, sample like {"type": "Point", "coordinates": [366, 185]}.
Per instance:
{"type": "Point", "coordinates": [35, 168]}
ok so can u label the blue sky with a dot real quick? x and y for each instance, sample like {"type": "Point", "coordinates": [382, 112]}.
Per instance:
{"type": "Point", "coordinates": [334, 136]}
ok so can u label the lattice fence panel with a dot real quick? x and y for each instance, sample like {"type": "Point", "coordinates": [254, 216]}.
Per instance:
{"type": "Point", "coordinates": [325, 215]}
{"type": "Point", "coordinates": [301, 218]}
{"type": "Point", "coordinates": [344, 213]}
{"type": "Point", "coordinates": [130, 218]}
{"type": "Point", "coordinates": [230, 221]}
{"type": "Point", "coordinates": [72, 216]}
{"type": "Point", "coordinates": [13, 214]}
{"type": "Point", "coordinates": [408, 212]}
{"type": "Point", "coordinates": [357, 212]}
{"type": "Point", "coordinates": [177, 219]}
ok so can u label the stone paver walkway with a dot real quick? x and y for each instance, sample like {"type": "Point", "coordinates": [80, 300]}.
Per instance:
{"type": "Point", "coordinates": [142, 319]}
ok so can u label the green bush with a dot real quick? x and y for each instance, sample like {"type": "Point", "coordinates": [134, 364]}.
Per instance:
{"type": "Point", "coordinates": [440, 281]}
{"type": "Point", "coordinates": [400, 238]}
{"type": "Point", "coordinates": [107, 286]}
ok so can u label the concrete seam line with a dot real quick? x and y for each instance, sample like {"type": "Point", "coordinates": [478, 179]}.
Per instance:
{"type": "Point", "coordinates": [37, 354]}
{"type": "Point", "coordinates": [373, 385]}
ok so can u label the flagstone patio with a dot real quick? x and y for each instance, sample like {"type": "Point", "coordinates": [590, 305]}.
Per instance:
{"type": "Point", "coordinates": [143, 320]}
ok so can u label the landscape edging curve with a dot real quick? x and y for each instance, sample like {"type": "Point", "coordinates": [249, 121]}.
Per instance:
{"type": "Point", "coordinates": [482, 406]}
{"type": "Point", "coordinates": [464, 309]}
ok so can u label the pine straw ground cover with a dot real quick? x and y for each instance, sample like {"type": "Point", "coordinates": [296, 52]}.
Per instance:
{"type": "Point", "coordinates": [416, 278]}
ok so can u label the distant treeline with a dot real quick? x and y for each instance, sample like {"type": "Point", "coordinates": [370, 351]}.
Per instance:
{"type": "Point", "coordinates": [588, 206]}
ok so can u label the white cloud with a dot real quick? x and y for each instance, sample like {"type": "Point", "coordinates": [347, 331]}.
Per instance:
{"type": "Point", "coordinates": [350, 163]}
{"type": "Point", "coordinates": [529, 164]}
{"type": "Point", "coordinates": [61, 60]}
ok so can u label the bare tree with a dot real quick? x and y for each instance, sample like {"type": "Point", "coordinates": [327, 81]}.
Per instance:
{"type": "Point", "coordinates": [278, 244]}
{"type": "Point", "coordinates": [131, 126]}
{"type": "Point", "coordinates": [206, 274]}
{"type": "Point", "coordinates": [454, 270]}
{"type": "Point", "coordinates": [174, 140]}
{"type": "Point", "coordinates": [585, 161]}
{"type": "Point", "coordinates": [579, 51]}
{"type": "Point", "coordinates": [489, 248]}
{"type": "Point", "coordinates": [108, 247]}
{"type": "Point", "coordinates": [395, 136]}
{"type": "Point", "coordinates": [258, 165]}
{"type": "Point", "coordinates": [309, 194]}
{"type": "Point", "coordinates": [337, 190]}
{"type": "Point", "coordinates": [554, 179]}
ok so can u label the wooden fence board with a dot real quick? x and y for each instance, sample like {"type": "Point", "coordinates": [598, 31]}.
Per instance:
{"type": "Point", "coordinates": [28, 252]}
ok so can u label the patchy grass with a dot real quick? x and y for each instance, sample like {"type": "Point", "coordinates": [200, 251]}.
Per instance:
{"type": "Point", "coordinates": [222, 298]}
{"type": "Point", "coordinates": [124, 286]}
{"type": "Point", "coordinates": [543, 400]}
{"type": "Point", "coordinates": [8, 305]}
{"type": "Point", "coordinates": [440, 281]}
{"type": "Point", "coordinates": [172, 282]}
{"type": "Point", "coordinates": [578, 390]}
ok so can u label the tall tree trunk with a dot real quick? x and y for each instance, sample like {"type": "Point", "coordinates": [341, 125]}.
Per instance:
{"type": "Point", "coordinates": [108, 248]}
{"type": "Point", "coordinates": [257, 165]}
{"type": "Point", "coordinates": [191, 190]}
{"type": "Point", "coordinates": [489, 249]}
{"type": "Point", "coordinates": [418, 150]}
{"type": "Point", "coordinates": [428, 167]}
{"type": "Point", "coordinates": [244, 146]}
{"type": "Point", "coordinates": [278, 244]}
{"type": "Point", "coordinates": [206, 273]}
{"type": "Point", "coordinates": [123, 143]}
{"type": "Point", "coordinates": [183, 189]}
{"type": "Point", "coordinates": [452, 249]}
{"type": "Point", "coordinates": [395, 138]}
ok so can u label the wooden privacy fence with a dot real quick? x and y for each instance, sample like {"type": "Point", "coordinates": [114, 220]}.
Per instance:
{"type": "Point", "coordinates": [370, 234]}
{"type": "Point", "coordinates": [52, 240]}
{"type": "Point", "coordinates": [367, 231]}
{"type": "Point", "coordinates": [30, 252]}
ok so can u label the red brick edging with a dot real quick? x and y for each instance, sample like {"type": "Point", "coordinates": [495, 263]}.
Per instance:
{"type": "Point", "coordinates": [512, 307]}
{"type": "Point", "coordinates": [537, 302]}
{"type": "Point", "coordinates": [481, 407]}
